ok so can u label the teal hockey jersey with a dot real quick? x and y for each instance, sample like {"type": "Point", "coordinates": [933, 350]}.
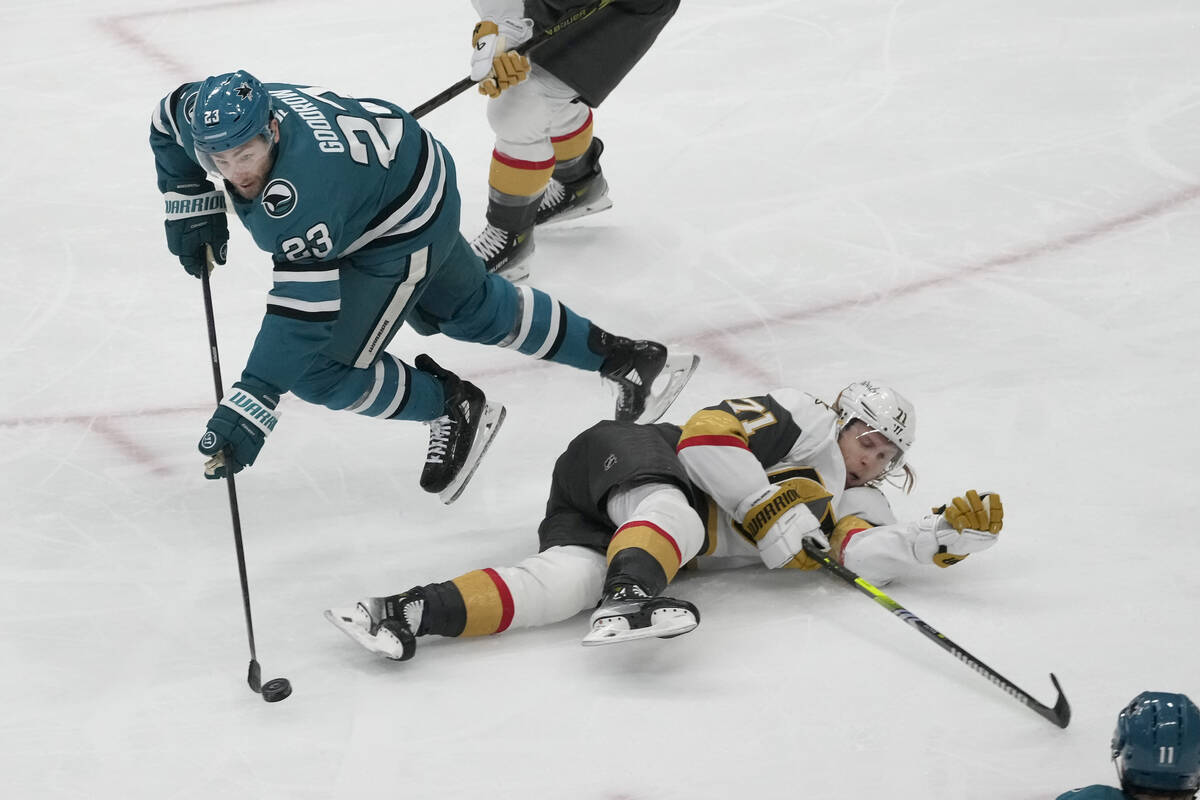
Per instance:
{"type": "Point", "coordinates": [353, 180]}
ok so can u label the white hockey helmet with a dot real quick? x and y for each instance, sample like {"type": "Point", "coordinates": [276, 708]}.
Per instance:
{"type": "Point", "coordinates": [882, 409]}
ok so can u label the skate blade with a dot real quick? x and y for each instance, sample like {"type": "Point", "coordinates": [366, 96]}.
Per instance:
{"type": "Point", "coordinates": [489, 425]}
{"type": "Point", "coordinates": [583, 210]}
{"type": "Point", "coordinates": [344, 619]}
{"type": "Point", "coordinates": [516, 270]}
{"type": "Point", "coordinates": [676, 625]}
{"type": "Point", "coordinates": [514, 273]}
{"type": "Point", "coordinates": [677, 371]}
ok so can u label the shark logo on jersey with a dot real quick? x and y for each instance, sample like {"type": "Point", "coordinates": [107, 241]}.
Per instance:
{"type": "Point", "coordinates": [279, 198]}
{"type": "Point", "coordinates": [189, 107]}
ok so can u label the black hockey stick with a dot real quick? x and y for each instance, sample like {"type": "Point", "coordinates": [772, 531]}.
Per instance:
{"type": "Point", "coordinates": [466, 83]}
{"type": "Point", "coordinates": [278, 688]}
{"type": "Point", "coordinates": [1060, 714]}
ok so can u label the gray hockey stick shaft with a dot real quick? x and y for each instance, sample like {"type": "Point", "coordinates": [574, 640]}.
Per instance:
{"type": "Point", "coordinates": [1059, 714]}
{"type": "Point", "coordinates": [466, 83]}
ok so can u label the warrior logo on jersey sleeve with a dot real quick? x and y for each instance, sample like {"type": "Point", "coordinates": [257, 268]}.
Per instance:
{"type": "Point", "coordinates": [279, 198]}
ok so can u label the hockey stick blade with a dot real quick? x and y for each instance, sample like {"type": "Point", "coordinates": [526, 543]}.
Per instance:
{"type": "Point", "coordinates": [254, 676]}
{"type": "Point", "coordinates": [1060, 714]}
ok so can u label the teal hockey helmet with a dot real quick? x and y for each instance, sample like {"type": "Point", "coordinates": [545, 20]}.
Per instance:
{"type": "Point", "coordinates": [1156, 744]}
{"type": "Point", "coordinates": [231, 109]}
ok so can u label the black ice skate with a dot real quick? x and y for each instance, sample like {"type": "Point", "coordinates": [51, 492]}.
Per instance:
{"type": "Point", "coordinates": [569, 197]}
{"type": "Point", "coordinates": [459, 438]}
{"type": "Point", "coordinates": [634, 367]}
{"type": "Point", "coordinates": [384, 625]}
{"type": "Point", "coordinates": [627, 613]}
{"type": "Point", "coordinates": [505, 253]}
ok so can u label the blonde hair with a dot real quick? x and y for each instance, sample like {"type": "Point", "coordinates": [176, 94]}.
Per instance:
{"type": "Point", "coordinates": [905, 483]}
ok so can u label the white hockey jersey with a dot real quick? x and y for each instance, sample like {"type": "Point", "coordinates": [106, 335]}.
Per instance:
{"type": "Point", "coordinates": [736, 449]}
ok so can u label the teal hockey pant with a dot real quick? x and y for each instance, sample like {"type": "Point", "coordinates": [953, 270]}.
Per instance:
{"type": "Point", "coordinates": [439, 289]}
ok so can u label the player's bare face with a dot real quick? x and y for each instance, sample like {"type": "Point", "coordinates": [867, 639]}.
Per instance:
{"type": "Point", "coordinates": [247, 166]}
{"type": "Point", "coordinates": [866, 452]}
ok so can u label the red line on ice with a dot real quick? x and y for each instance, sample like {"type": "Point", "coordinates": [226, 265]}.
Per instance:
{"type": "Point", "coordinates": [714, 340]}
{"type": "Point", "coordinates": [117, 27]}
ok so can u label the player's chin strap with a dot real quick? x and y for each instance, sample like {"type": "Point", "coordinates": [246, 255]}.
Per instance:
{"type": "Point", "coordinates": [466, 83]}
{"type": "Point", "coordinates": [1060, 714]}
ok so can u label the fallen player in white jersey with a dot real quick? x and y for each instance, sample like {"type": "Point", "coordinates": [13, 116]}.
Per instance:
{"type": "Point", "coordinates": [745, 481]}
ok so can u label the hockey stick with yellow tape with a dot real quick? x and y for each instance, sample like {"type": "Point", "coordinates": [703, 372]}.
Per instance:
{"type": "Point", "coordinates": [1059, 714]}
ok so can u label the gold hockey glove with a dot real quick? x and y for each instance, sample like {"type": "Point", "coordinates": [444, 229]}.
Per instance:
{"type": "Point", "coordinates": [509, 69]}
{"type": "Point", "coordinates": [493, 66]}
{"type": "Point", "coordinates": [970, 524]}
{"type": "Point", "coordinates": [978, 513]}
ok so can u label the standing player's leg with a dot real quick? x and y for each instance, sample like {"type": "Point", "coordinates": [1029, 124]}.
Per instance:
{"type": "Point", "coordinates": [465, 302]}
{"type": "Point", "coordinates": [353, 372]}
{"type": "Point", "coordinates": [577, 186]}
{"type": "Point", "coordinates": [523, 159]}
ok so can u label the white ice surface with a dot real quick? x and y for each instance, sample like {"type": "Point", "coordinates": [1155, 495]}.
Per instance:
{"type": "Point", "coordinates": [991, 205]}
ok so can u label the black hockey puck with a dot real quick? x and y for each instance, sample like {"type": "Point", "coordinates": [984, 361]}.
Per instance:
{"type": "Point", "coordinates": [276, 689]}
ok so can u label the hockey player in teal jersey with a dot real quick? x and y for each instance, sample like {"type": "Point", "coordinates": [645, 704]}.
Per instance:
{"type": "Point", "coordinates": [359, 209]}
{"type": "Point", "coordinates": [1156, 750]}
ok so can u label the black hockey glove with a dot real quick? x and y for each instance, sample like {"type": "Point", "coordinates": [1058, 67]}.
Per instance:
{"type": "Point", "coordinates": [195, 219]}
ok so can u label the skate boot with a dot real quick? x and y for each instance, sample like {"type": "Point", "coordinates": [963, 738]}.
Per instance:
{"type": "Point", "coordinates": [634, 367]}
{"type": "Point", "coordinates": [575, 190]}
{"type": "Point", "coordinates": [506, 243]}
{"type": "Point", "coordinates": [459, 438]}
{"type": "Point", "coordinates": [504, 253]}
{"type": "Point", "coordinates": [384, 625]}
{"type": "Point", "coordinates": [627, 613]}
